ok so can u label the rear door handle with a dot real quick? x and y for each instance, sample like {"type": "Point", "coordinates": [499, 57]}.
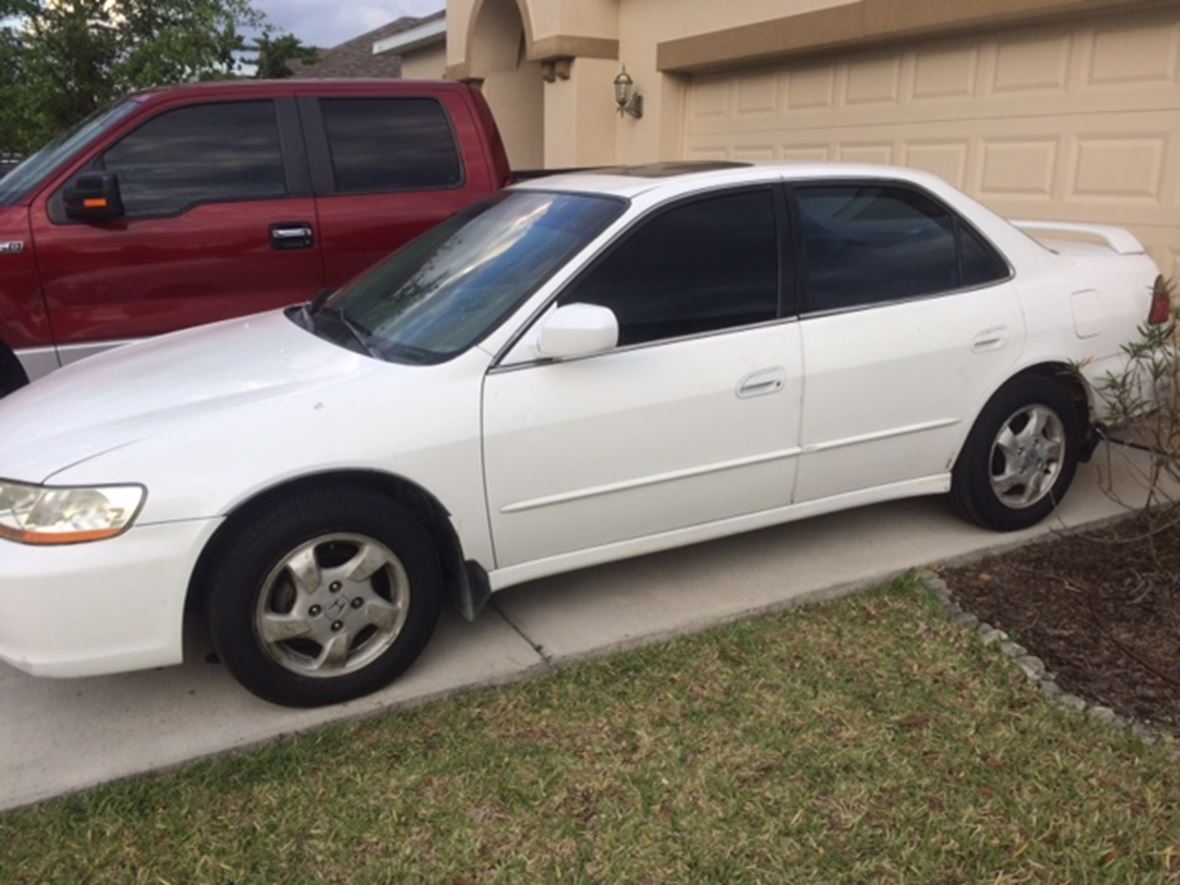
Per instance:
{"type": "Point", "coordinates": [989, 339]}
{"type": "Point", "coordinates": [762, 383]}
{"type": "Point", "coordinates": [287, 235]}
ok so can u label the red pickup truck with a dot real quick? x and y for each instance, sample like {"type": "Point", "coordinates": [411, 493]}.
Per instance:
{"type": "Point", "coordinates": [197, 203]}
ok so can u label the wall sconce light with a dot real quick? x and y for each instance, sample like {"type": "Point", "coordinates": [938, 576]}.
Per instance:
{"type": "Point", "coordinates": [628, 100]}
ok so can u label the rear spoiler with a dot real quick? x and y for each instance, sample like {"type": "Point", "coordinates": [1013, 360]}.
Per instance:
{"type": "Point", "coordinates": [1121, 241]}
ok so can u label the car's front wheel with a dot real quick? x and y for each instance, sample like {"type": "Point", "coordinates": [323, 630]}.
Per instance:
{"type": "Point", "coordinates": [327, 596]}
{"type": "Point", "coordinates": [1020, 457]}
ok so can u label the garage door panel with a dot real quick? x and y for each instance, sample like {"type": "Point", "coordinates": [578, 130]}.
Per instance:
{"type": "Point", "coordinates": [1076, 121]}
{"type": "Point", "coordinates": [945, 158]}
{"type": "Point", "coordinates": [871, 80]}
{"type": "Point", "coordinates": [758, 93]}
{"type": "Point", "coordinates": [806, 153]}
{"type": "Point", "coordinates": [1016, 168]}
{"type": "Point", "coordinates": [880, 152]}
{"type": "Point", "coordinates": [754, 154]}
{"type": "Point", "coordinates": [810, 88]}
{"type": "Point", "coordinates": [1136, 53]}
{"type": "Point", "coordinates": [1032, 64]}
{"type": "Point", "coordinates": [1124, 169]}
{"type": "Point", "coordinates": [941, 74]}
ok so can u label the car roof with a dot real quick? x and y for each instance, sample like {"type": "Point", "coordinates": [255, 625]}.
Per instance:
{"type": "Point", "coordinates": [672, 178]}
{"type": "Point", "coordinates": [295, 86]}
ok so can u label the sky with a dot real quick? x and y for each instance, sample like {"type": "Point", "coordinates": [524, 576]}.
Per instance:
{"type": "Point", "coordinates": [327, 23]}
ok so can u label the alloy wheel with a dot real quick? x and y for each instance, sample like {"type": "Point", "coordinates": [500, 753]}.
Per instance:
{"type": "Point", "coordinates": [1027, 456]}
{"type": "Point", "coordinates": [332, 606]}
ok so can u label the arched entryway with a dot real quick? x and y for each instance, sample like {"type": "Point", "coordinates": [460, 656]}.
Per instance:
{"type": "Point", "coordinates": [513, 86]}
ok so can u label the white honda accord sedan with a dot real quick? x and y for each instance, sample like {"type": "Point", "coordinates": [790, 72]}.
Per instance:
{"type": "Point", "coordinates": [583, 368]}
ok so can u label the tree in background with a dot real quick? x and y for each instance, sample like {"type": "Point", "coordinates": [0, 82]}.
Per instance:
{"type": "Point", "coordinates": [61, 60]}
{"type": "Point", "coordinates": [276, 56]}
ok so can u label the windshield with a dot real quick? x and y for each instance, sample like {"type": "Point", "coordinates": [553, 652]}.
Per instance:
{"type": "Point", "coordinates": [446, 290]}
{"type": "Point", "coordinates": [16, 184]}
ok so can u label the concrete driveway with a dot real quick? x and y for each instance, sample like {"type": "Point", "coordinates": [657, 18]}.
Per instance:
{"type": "Point", "coordinates": [61, 736]}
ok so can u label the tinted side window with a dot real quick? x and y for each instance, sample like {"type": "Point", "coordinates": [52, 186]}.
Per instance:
{"type": "Point", "coordinates": [201, 154]}
{"type": "Point", "coordinates": [981, 263]}
{"type": "Point", "coordinates": [708, 265]}
{"type": "Point", "coordinates": [869, 243]}
{"type": "Point", "coordinates": [383, 144]}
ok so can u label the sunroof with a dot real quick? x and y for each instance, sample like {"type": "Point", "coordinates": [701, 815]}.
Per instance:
{"type": "Point", "coordinates": [668, 170]}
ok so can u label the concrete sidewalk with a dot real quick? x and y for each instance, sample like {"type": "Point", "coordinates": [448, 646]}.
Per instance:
{"type": "Point", "coordinates": [61, 736]}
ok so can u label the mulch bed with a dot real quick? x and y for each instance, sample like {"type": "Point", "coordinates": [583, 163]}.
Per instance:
{"type": "Point", "coordinates": [1096, 609]}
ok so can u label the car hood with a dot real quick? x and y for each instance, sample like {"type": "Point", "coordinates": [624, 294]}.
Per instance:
{"type": "Point", "coordinates": [135, 392]}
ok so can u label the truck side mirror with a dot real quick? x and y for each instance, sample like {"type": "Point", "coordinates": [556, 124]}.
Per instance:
{"type": "Point", "coordinates": [93, 196]}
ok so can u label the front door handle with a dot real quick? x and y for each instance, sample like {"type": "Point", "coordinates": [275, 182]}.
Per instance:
{"type": "Point", "coordinates": [762, 383]}
{"type": "Point", "coordinates": [291, 235]}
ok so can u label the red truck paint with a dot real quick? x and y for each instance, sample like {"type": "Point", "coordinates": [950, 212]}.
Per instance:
{"type": "Point", "coordinates": [74, 284]}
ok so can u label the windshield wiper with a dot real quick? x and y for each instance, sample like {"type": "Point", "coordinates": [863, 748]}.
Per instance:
{"type": "Point", "coordinates": [319, 305]}
{"type": "Point", "coordinates": [355, 329]}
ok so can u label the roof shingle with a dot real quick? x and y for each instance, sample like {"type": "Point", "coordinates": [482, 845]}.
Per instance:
{"type": "Point", "coordinates": [355, 58]}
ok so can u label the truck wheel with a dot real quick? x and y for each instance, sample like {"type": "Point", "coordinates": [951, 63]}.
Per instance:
{"type": "Point", "coordinates": [328, 596]}
{"type": "Point", "coordinates": [12, 373]}
{"type": "Point", "coordinates": [1021, 456]}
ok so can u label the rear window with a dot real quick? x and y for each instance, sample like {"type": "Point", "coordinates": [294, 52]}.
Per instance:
{"type": "Point", "coordinates": [873, 244]}
{"type": "Point", "coordinates": [869, 244]}
{"type": "Point", "coordinates": [387, 144]}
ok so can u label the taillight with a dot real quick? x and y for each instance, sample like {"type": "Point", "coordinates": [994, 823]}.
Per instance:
{"type": "Point", "coordinates": [1161, 303]}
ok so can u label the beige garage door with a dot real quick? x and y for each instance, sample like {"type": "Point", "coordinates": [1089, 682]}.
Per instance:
{"type": "Point", "coordinates": [1078, 121]}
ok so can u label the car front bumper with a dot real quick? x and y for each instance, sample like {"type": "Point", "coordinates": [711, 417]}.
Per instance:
{"type": "Point", "coordinates": [104, 607]}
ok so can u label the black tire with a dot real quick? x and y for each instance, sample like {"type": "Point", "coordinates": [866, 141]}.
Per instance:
{"type": "Point", "coordinates": [12, 373]}
{"type": "Point", "coordinates": [254, 549]}
{"type": "Point", "coordinates": [971, 486]}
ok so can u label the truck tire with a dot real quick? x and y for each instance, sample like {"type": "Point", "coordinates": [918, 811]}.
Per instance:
{"type": "Point", "coordinates": [12, 373]}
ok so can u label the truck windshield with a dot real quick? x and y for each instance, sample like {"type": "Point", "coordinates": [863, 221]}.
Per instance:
{"type": "Point", "coordinates": [446, 290]}
{"type": "Point", "coordinates": [17, 184]}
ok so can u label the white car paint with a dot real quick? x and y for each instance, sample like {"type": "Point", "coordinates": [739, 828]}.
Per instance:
{"type": "Point", "coordinates": [542, 467]}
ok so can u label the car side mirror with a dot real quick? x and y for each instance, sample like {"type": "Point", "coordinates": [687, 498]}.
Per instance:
{"type": "Point", "coordinates": [575, 330]}
{"type": "Point", "coordinates": [93, 196]}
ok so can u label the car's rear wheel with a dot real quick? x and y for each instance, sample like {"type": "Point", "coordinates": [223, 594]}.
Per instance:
{"type": "Point", "coordinates": [327, 596]}
{"type": "Point", "coordinates": [1020, 457]}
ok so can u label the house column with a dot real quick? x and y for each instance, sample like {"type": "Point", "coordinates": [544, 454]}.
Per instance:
{"type": "Point", "coordinates": [580, 112]}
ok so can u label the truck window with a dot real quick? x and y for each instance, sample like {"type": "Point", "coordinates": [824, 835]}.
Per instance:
{"type": "Point", "coordinates": [389, 144]}
{"type": "Point", "coordinates": [21, 181]}
{"type": "Point", "coordinates": [208, 153]}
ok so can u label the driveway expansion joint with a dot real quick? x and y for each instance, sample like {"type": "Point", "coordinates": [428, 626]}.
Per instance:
{"type": "Point", "coordinates": [546, 659]}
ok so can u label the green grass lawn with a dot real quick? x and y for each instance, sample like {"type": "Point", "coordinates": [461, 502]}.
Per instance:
{"type": "Point", "coordinates": [860, 739]}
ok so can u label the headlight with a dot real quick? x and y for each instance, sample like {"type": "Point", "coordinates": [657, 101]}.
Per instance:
{"type": "Point", "coordinates": [45, 515]}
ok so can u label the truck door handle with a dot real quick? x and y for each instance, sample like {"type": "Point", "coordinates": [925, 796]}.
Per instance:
{"type": "Point", "coordinates": [762, 383]}
{"type": "Point", "coordinates": [286, 235]}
